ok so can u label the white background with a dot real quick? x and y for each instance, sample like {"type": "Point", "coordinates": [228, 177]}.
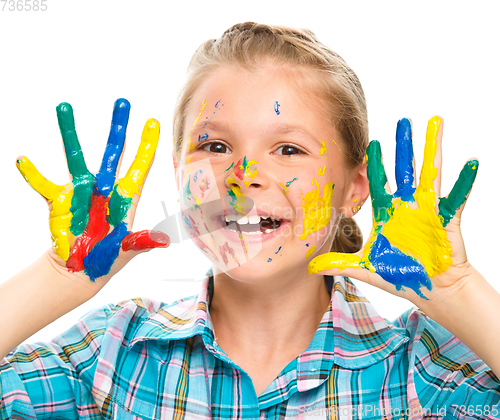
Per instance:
{"type": "Point", "coordinates": [413, 60]}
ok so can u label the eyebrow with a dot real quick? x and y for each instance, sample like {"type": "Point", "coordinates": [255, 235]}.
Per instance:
{"type": "Point", "coordinates": [274, 128]}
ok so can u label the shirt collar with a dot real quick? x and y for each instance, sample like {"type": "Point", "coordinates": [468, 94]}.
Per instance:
{"type": "Point", "coordinates": [351, 333]}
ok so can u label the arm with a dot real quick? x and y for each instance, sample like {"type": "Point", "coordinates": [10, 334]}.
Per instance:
{"type": "Point", "coordinates": [416, 250]}
{"type": "Point", "coordinates": [90, 221]}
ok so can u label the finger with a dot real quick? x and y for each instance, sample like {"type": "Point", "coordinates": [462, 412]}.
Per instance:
{"type": "Point", "coordinates": [429, 174]}
{"type": "Point", "coordinates": [449, 206]}
{"type": "Point", "coordinates": [131, 184]}
{"type": "Point", "coordinates": [74, 155]}
{"type": "Point", "coordinates": [105, 178]}
{"type": "Point", "coordinates": [404, 161]}
{"type": "Point", "coordinates": [145, 240]}
{"type": "Point", "coordinates": [36, 180]}
{"type": "Point", "coordinates": [83, 180]}
{"type": "Point", "coordinates": [333, 260]}
{"type": "Point", "coordinates": [377, 181]}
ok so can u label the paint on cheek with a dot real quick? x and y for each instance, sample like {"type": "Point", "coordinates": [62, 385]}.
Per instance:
{"type": "Point", "coordinates": [276, 108]}
{"type": "Point", "coordinates": [97, 228]}
{"type": "Point", "coordinates": [279, 249]}
{"type": "Point", "coordinates": [100, 258]}
{"type": "Point", "coordinates": [224, 250]}
{"type": "Point", "coordinates": [323, 148]}
{"type": "Point", "coordinates": [232, 164]}
{"type": "Point", "coordinates": [205, 185]}
{"type": "Point", "coordinates": [310, 251]}
{"type": "Point", "coordinates": [321, 172]}
{"type": "Point", "coordinates": [189, 159]}
{"type": "Point", "coordinates": [269, 259]}
{"type": "Point", "coordinates": [317, 208]}
{"type": "Point", "coordinates": [191, 224]}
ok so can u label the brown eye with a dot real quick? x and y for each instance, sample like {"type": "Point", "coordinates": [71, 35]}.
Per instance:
{"type": "Point", "coordinates": [216, 147]}
{"type": "Point", "coordinates": [288, 150]}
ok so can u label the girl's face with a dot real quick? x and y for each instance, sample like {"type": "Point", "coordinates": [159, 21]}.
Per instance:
{"type": "Point", "coordinates": [261, 177]}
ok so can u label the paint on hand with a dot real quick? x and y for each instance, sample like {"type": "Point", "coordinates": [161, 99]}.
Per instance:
{"type": "Point", "coordinates": [96, 230]}
{"type": "Point", "coordinates": [60, 197]}
{"type": "Point", "coordinates": [317, 208]}
{"type": "Point", "coordinates": [145, 239]}
{"type": "Point", "coordinates": [276, 108]}
{"type": "Point", "coordinates": [404, 161]}
{"type": "Point", "coordinates": [102, 256]}
{"type": "Point", "coordinates": [448, 206]}
{"type": "Point", "coordinates": [83, 180]}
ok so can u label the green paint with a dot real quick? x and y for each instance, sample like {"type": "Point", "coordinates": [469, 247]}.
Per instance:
{"type": "Point", "coordinates": [83, 180]}
{"type": "Point", "coordinates": [448, 206]}
{"type": "Point", "coordinates": [188, 195]}
{"type": "Point", "coordinates": [290, 182]}
{"type": "Point", "coordinates": [377, 180]}
{"type": "Point", "coordinates": [245, 163]}
{"type": "Point", "coordinates": [232, 164]}
{"type": "Point", "coordinates": [118, 207]}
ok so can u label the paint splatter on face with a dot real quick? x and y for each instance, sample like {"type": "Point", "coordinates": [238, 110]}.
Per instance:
{"type": "Point", "coordinates": [277, 108]}
{"type": "Point", "coordinates": [91, 211]}
{"type": "Point", "coordinates": [317, 208]}
{"type": "Point", "coordinates": [285, 186]}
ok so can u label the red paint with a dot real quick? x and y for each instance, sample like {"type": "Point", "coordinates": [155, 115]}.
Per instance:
{"type": "Point", "coordinates": [238, 170]}
{"type": "Point", "coordinates": [145, 239]}
{"type": "Point", "coordinates": [97, 228]}
{"type": "Point", "coordinates": [227, 249]}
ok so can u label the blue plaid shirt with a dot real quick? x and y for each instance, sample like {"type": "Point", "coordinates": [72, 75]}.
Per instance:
{"type": "Point", "coordinates": [142, 359]}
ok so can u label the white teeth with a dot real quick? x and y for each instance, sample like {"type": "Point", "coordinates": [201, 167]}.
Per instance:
{"type": "Point", "coordinates": [231, 217]}
{"type": "Point", "coordinates": [243, 220]}
{"type": "Point", "coordinates": [253, 219]}
{"type": "Point", "coordinates": [269, 230]}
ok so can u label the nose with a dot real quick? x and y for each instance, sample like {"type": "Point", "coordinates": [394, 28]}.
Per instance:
{"type": "Point", "coordinates": [244, 174]}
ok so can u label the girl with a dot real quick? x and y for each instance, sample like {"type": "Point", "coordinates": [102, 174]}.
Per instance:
{"type": "Point", "coordinates": [270, 139]}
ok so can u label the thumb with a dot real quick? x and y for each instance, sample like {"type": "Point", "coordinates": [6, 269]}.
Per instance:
{"type": "Point", "coordinates": [137, 242]}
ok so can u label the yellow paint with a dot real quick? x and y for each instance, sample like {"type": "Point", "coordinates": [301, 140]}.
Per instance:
{"type": "Point", "coordinates": [355, 200]}
{"type": "Point", "coordinates": [191, 144]}
{"type": "Point", "coordinates": [310, 251]}
{"type": "Point", "coordinates": [337, 145]}
{"type": "Point", "coordinates": [189, 159]}
{"type": "Point", "coordinates": [323, 148]}
{"type": "Point", "coordinates": [250, 171]}
{"type": "Point", "coordinates": [321, 172]}
{"type": "Point", "coordinates": [285, 189]}
{"type": "Point", "coordinates": [317, 208]}
{"type": "Point", "coordinates": [197, 200]}
{"type": "Point", "coordinates": [60, 198]}
{"type": "Point", "coordinates": [418, 232]}
{"type": "Point", "coordinates": [130, 184]}
{"type": "Point", "coordinates": [333, 260]}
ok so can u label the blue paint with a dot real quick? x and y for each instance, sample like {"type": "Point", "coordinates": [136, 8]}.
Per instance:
{"type": "Point", "coordinates": [105, 178]}
{"type": "Point", "coordinates": [398, 268]}
{"type": "Point", "coordinates": [278, 250]}
{"type": "Point", "coordinates": [217, 104]}
{"type": "Point", "coordinates": [100, 259]}
{"type": "Point", "coordinates": [404, 161]}
{"type": "Point", "coordinates": [308, 245]}
{"type": "Point", "coordinates": [269, 260]}
{"type": "Point", "coordinates": [276, 108]}
{"type": "Point", "coordinates": [204, 137]}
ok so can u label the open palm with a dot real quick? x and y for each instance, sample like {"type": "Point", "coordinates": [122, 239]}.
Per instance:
{"type": "Point", "coordinates": [415, 241]}
{"type": "Point", "coordinates": [91, 216]}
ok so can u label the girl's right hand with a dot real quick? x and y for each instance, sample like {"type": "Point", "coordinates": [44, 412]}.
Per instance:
{"type": "Point", "coordinates": [92, 215]}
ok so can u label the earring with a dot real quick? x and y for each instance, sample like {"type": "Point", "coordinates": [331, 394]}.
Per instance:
{"type": "Point", "coordinates": [356, 209]}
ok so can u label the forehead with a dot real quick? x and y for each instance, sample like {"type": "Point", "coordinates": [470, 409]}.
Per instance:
{"type": "Point", "coordinates": [269, 94]}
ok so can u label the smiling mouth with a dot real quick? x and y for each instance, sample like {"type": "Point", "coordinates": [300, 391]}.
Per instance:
{"type": "Point", "coordinates": [251, 225]}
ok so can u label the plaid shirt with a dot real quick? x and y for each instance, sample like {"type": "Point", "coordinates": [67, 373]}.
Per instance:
{"type": "Point", "coordinates": [147, 360]}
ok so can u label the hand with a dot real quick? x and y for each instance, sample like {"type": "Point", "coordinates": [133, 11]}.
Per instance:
{"type": "Point", "coordinates": [415, 249]}
{"type": "Point", "coordinates": [91, 216]}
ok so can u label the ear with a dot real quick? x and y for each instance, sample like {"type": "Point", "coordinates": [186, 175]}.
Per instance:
{"type": "Point", "coordinates": [356, 192]}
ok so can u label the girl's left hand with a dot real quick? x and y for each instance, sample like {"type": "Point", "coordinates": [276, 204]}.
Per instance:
{"type": "Point", "coordinates": [415, 249]}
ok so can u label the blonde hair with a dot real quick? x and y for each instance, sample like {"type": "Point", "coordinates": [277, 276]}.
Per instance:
{"type": "Point", "coordinates": [250, 44]}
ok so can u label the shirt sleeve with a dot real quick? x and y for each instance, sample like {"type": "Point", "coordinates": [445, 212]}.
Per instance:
{"type": "Point", "coordinates": [449, 379]}
{"type": "Point", "coordinates": [54, 380]}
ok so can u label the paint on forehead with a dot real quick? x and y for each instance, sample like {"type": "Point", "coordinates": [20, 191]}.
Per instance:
{"type": "Point", "coordinates": [191, 145]}
{"type": "Point", "coordinates": [203, 137]}
{"type": "Point", "coordinates": [322, 151]}
{"type": "Point", "coordinates": [317, 208]}
{"type": "Point", "coordinates": [217, 107]}
{"type": "Point", "coordinates": [310, 251]}
{"type": "Point", "coordinates": [276, 108]}
{"type": "Point", "coordinates": [321, 172]}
